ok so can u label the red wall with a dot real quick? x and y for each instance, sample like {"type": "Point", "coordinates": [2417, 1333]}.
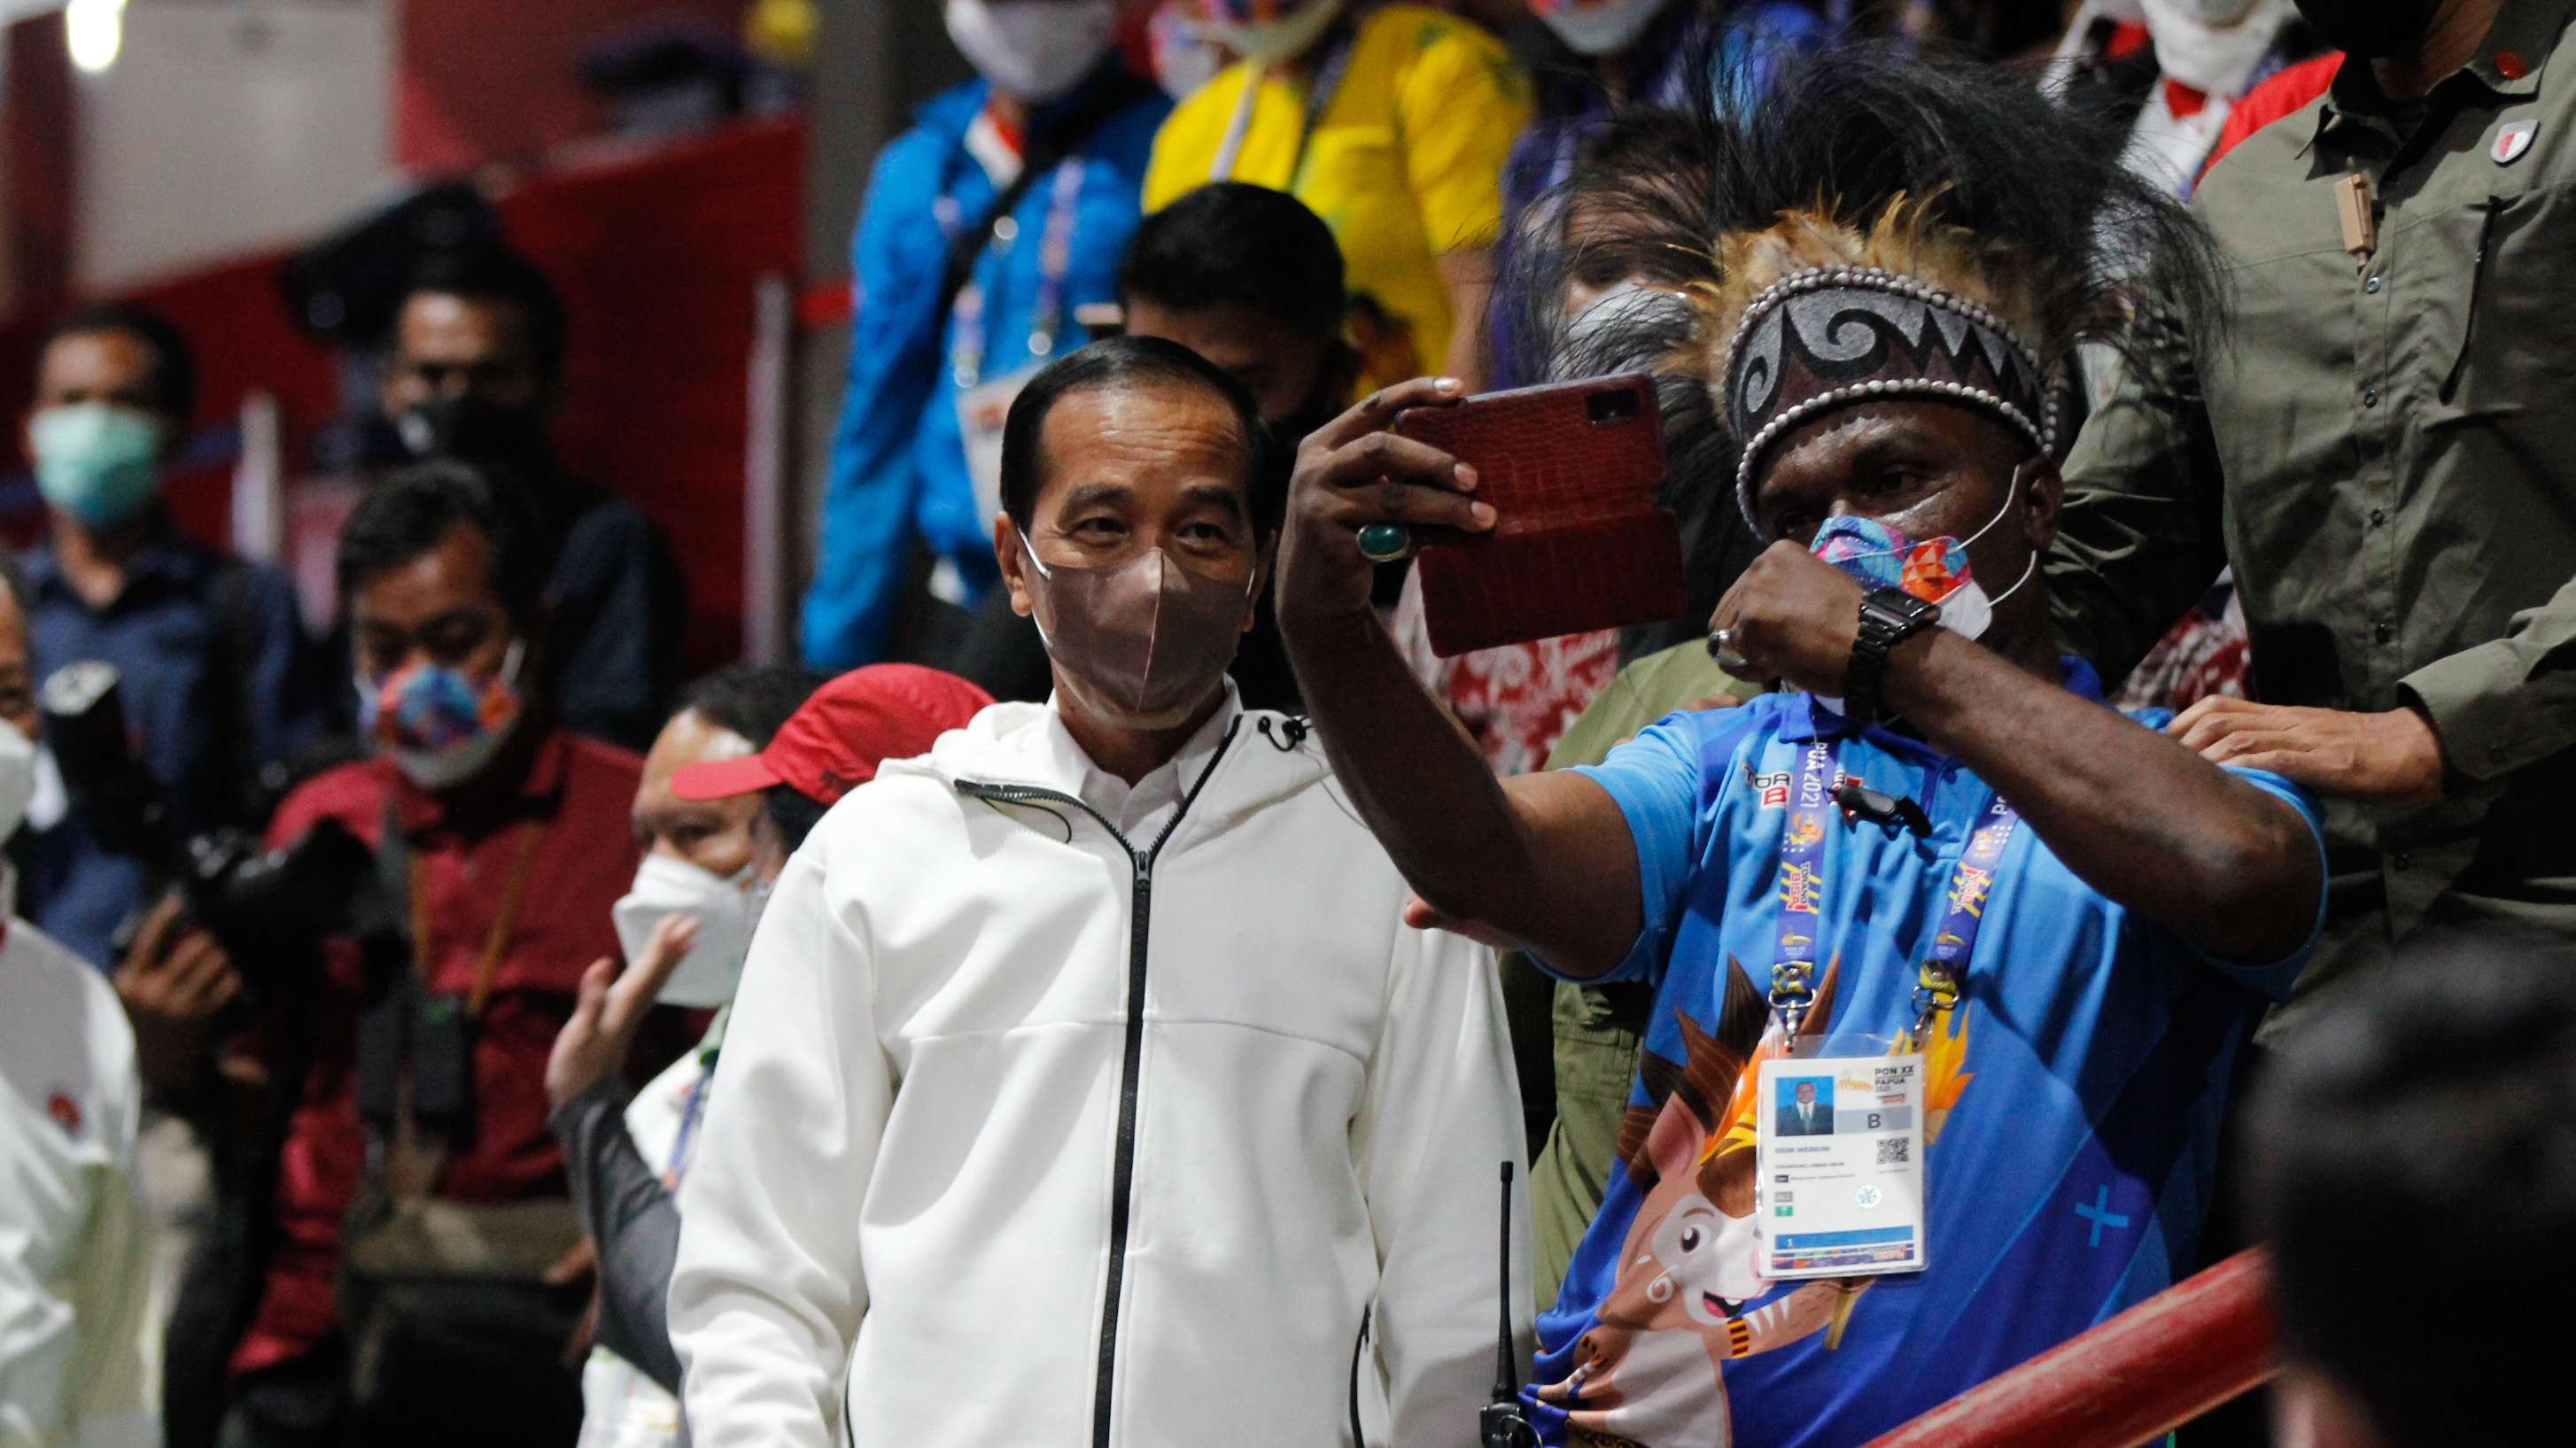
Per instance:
{"type": "Point", "coordinates": [492, 80]}
{"type": "Point", "coordinates": [656, 258]}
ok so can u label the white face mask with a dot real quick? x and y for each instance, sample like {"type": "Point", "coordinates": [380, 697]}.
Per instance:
{"type": "Point", "coordinates": [2214, 45]}
{"type": "Point", "coordinates": [726, 907]}
{"type": "Point", "coordinates": [1269, 42]}
{"type": "Point", "coordinates": [1184, 59]}
{"type": "Point", "coordinates": [17, 777]}
{"type": "Point", "coordinates": [1033, 50]}
{"type": "Point", "coordinates": [1599, 27]}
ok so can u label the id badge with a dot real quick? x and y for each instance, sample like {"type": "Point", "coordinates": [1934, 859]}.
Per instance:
{"type": "Point", "coordinates": [981, 411]}
{"type": "Point", "coordinates": [1839, 1152]}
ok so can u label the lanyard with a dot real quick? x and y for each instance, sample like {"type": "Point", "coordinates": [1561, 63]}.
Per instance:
{"type": "Point", "coordinates": [1802, 848]}
{"type": "Point", "coordinates": [1319, 98]}
{"type": "Point", "coordinates": [1055, 263]}
{"type": "Point", "coordinates": [692, 1107]}
{"type": "Point", "coordinates": [1801, 893]}
{"type": "Point", "coordinates": [513, 894]}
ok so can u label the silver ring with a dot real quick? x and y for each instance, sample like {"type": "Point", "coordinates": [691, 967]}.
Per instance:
{"type": "Point", "coordinates": [1721, 649]}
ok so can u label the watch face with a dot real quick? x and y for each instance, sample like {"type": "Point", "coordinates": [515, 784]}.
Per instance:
{"type": "Point", "coordinates": [1904, 606]}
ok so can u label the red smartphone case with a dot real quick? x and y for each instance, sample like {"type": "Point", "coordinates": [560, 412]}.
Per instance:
{"type": "Point", "coordinates": [1578, 544]}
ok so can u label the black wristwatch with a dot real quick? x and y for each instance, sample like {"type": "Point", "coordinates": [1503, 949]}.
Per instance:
{"type": "Point", "coordinates": [1888, 617]}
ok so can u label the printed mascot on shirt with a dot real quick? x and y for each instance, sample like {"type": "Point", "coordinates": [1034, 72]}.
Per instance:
{"type": "Point", "coordinates": [1863, 223]}
{"type": "Point", "coordinates": [1691, 1295]}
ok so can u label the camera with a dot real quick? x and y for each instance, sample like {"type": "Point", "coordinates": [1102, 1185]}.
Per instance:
{"type": "Point", "coordinates": [270, 910]}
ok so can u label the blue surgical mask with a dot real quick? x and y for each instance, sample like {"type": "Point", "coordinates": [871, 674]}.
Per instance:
{"type": "Point", "coordinates": [98, 461]}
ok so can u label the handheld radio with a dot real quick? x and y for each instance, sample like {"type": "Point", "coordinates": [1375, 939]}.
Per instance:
{"type": "Point", "coordinates": [1503, 1424]}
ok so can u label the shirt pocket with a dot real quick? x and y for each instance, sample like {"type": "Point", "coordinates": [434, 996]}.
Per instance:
{"type": "Point", "coordinates": [2486, 310]}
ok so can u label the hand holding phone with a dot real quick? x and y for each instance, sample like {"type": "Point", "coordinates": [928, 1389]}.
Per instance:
{"type": "Point", "coordinates": [1578, 542]}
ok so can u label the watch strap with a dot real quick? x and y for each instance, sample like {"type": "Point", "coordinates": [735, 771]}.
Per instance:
{"type": "Point", "coordinates": [1888, 617]}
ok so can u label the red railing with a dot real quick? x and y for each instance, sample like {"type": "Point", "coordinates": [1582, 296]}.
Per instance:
{"type": "Point", "coordinates": [2158, 1365]}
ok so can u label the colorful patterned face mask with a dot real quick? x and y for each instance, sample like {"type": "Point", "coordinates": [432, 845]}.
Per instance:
{"type": "Point", "coordinates": [1934, 569]}
{"type": "Point", "coordinates": [440, 725]}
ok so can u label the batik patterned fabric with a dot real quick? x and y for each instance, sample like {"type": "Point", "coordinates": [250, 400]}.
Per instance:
{"type": "Point", "coordinates": [1515, 701]}
{"type": "Point", "coordinates": [2072, 1107]}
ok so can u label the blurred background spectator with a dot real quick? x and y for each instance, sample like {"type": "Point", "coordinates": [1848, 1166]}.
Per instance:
{"type": "Point", "coordinates": [219, 683]}
{"type": "Point", "coordinates": [2436, 1104]}
{"type": "Point", "coordinates": [987, 225]}
{"type": "Point", "coordinates": [473, 371]}
{"type": "Point", "coordinates": [1392, 122]}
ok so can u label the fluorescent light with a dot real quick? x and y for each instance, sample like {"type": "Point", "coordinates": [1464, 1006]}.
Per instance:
{"type": "Point", "coordinates": [95, 31]}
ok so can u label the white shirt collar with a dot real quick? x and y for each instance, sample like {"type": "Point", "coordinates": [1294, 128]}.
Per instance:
{"type": "Point", "coordinates": [1141, 811]}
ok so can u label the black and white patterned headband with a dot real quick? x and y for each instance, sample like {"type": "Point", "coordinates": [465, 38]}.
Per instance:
{"type": "Point", "coordinates": [1835, 336]}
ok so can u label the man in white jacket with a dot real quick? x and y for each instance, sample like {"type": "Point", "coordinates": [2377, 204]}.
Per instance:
{"type": "Point", "coordinates": [1084, 1087]}
{"type": "Point", "coordinates": [79, 1342]}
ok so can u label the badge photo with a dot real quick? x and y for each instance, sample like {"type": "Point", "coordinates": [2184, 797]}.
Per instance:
{"type": "Point", "coordinates": [2514, 141]}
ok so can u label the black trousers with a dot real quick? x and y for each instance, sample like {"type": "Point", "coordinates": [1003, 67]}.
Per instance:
{"type": "Point", "coordinates": [305, 1404]}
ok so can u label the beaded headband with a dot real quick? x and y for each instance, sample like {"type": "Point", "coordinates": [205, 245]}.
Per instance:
{"type": "Point", "coordinates": [1833, 336]}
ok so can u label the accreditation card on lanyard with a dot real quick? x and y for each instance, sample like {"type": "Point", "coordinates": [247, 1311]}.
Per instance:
{"type": "Point", "coordinates": [984, 403]}
{"type": "Point", "coordinates": [1840, 1184]}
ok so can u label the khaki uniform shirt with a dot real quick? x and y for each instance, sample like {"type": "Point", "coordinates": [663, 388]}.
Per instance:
{"type": "Point", "coordinates": [2385, 449]}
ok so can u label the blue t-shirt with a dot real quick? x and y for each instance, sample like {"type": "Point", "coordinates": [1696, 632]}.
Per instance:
{"type": "Point", "coordinates": [2073, 1101]}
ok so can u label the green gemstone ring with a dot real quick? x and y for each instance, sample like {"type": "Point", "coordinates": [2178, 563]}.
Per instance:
{"type": "Point", "coordinates": [1385, 542]}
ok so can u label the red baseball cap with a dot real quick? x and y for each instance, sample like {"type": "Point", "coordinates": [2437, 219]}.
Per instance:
{"type": "Point", "coordinates": [833, 743]}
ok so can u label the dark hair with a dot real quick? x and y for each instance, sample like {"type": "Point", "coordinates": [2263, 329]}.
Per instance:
{"type": "Point", "coordinates": [13, 581]}
{"type": "Point", "coordinates": [414, 509]}
{"type": "Point", "coordinates": [497, 274]}
{"type": "Point", "coordinates": [1229, 244]}
{"type": "Point", "coordinates": [2106, 255]}
{"type": "Point", "coordinates": [174, 364]}
{"type": "Point", "coordinates": [793, 812]}
{"type": "Point", "coordinates": [1133, 362]}
{"type": "Point", "coordinates": [2433, 1113]}
{"type": "Point", "coordinates": [752, 700]}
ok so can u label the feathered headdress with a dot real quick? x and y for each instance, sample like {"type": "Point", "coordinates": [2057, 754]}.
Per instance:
{"type": "Point", "coordinates": [1858, 222]}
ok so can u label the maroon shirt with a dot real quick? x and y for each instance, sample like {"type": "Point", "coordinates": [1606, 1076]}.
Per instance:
{"type": "Point", "coordinates": [579, 794]}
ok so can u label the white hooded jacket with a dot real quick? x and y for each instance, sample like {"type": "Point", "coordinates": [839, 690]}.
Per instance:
{"type": "Point", "coordinates": [1026, 1134]}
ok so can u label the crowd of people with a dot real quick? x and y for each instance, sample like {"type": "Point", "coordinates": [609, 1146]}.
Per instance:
{"type": "Point", "coordinates": [2094, 811]}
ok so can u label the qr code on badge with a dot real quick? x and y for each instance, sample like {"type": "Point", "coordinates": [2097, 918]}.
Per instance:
{"type": "Point", "coordinates": [1893, 1151]}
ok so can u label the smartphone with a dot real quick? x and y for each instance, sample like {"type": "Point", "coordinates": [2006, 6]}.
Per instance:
{"type": "Point", "coordinates": [1570, 470]}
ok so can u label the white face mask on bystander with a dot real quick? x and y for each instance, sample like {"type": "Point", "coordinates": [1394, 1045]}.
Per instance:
{"type": "Point", "coordinates": [727, 909]}
{"type": "Point", "coordinates": [1033, 50]}
{"type": "Point", "coordinates": [1598, 27]}
{"type": "Point", "coordinates": [1289, 30]}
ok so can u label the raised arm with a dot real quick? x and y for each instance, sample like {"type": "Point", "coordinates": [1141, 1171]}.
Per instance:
{"type": "Point", "coordinates": [2230, 867]}
{"type": "Point", "coordinates": [1545, 859]}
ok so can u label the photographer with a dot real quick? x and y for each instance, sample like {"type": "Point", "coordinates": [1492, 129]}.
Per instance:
{"type": "Point", "coordinates": [414, 1068]}
{"type": "Point", "coordinates": [219, 681]}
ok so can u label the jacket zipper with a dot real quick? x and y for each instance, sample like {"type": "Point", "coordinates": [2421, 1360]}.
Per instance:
{"type": "Point", "coordinates": [1123, 1170]}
